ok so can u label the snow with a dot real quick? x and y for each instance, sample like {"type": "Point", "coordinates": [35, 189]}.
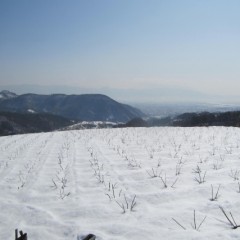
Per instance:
{"type": "Point", "coordinates": [64, 185]}
{"type": "Point", "coordinates": [90, 125]}
{"type": "Point", "coordinates": [31, 111]}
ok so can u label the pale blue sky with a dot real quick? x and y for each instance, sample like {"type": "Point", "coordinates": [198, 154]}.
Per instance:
{"type": "Point", "coordinates": [148, 45]}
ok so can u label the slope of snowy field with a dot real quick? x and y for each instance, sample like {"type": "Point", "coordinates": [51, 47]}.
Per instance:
{"type": "Point", "coordinates": [137, 183]}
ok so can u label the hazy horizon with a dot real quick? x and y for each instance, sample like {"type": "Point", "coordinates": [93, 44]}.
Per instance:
{"type": "Point", "coordinates": [141, 51]}
{"type": "Point", "coordinates": [129, 96]}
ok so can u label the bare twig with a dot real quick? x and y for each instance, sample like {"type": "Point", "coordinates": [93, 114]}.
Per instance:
{"type": "Point", "coordinates": [121, 206]}
{"type": "Point", "coordinates": [234, 174]}
{"type": "Point", "coordinates": [178, 223]}
{"type": "Point", "coordinates": [54, 184]}
{"type": "Point", "coordinates": [232, 222]}
{"type": "Point", "coordinates": [194, 225]}
{"type": "Point", "coordinates": [133, 204]}
{"type": "Point", "coordinates": [200, 177]}
{"type": "Point", "coordinates": [216, 196]}
{"type": "Point", "coordinates": [153, 174]}
{"type": "Point", "coordinates": [174, 183]}
{"type": "Point", "coordinates": [164, 181]}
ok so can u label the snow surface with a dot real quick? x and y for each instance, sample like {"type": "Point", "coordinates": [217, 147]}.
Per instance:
{"type": "Point", "coordinates": [64, 185]}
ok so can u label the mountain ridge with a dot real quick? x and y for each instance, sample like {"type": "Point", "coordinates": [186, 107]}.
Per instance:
{"type": "Point", "coordinates": [84, 107]}
{"type": "Point", "coordinates": [5, 94]}
{"type": "Point", "coordinates": [21, 123]}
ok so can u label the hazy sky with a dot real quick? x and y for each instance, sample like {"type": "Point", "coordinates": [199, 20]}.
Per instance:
{"type": "Point", "coordinates": [145, 45]}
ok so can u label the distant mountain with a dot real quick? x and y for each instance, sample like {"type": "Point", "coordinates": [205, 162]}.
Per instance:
{"type": "Point", "coordinates": [208, 119]}
{"type": "Point", "coordinates": [20, 123]}
{"type": "Point", "coordinates": [7, 95]}
{"type": "Point", "coordinates": [86, 107]}
{"type": "Point", "coordinates": [201, 119]}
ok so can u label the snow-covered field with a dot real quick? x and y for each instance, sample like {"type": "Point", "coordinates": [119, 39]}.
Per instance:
{"type": "Point", "coordinates": [137, 184]}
